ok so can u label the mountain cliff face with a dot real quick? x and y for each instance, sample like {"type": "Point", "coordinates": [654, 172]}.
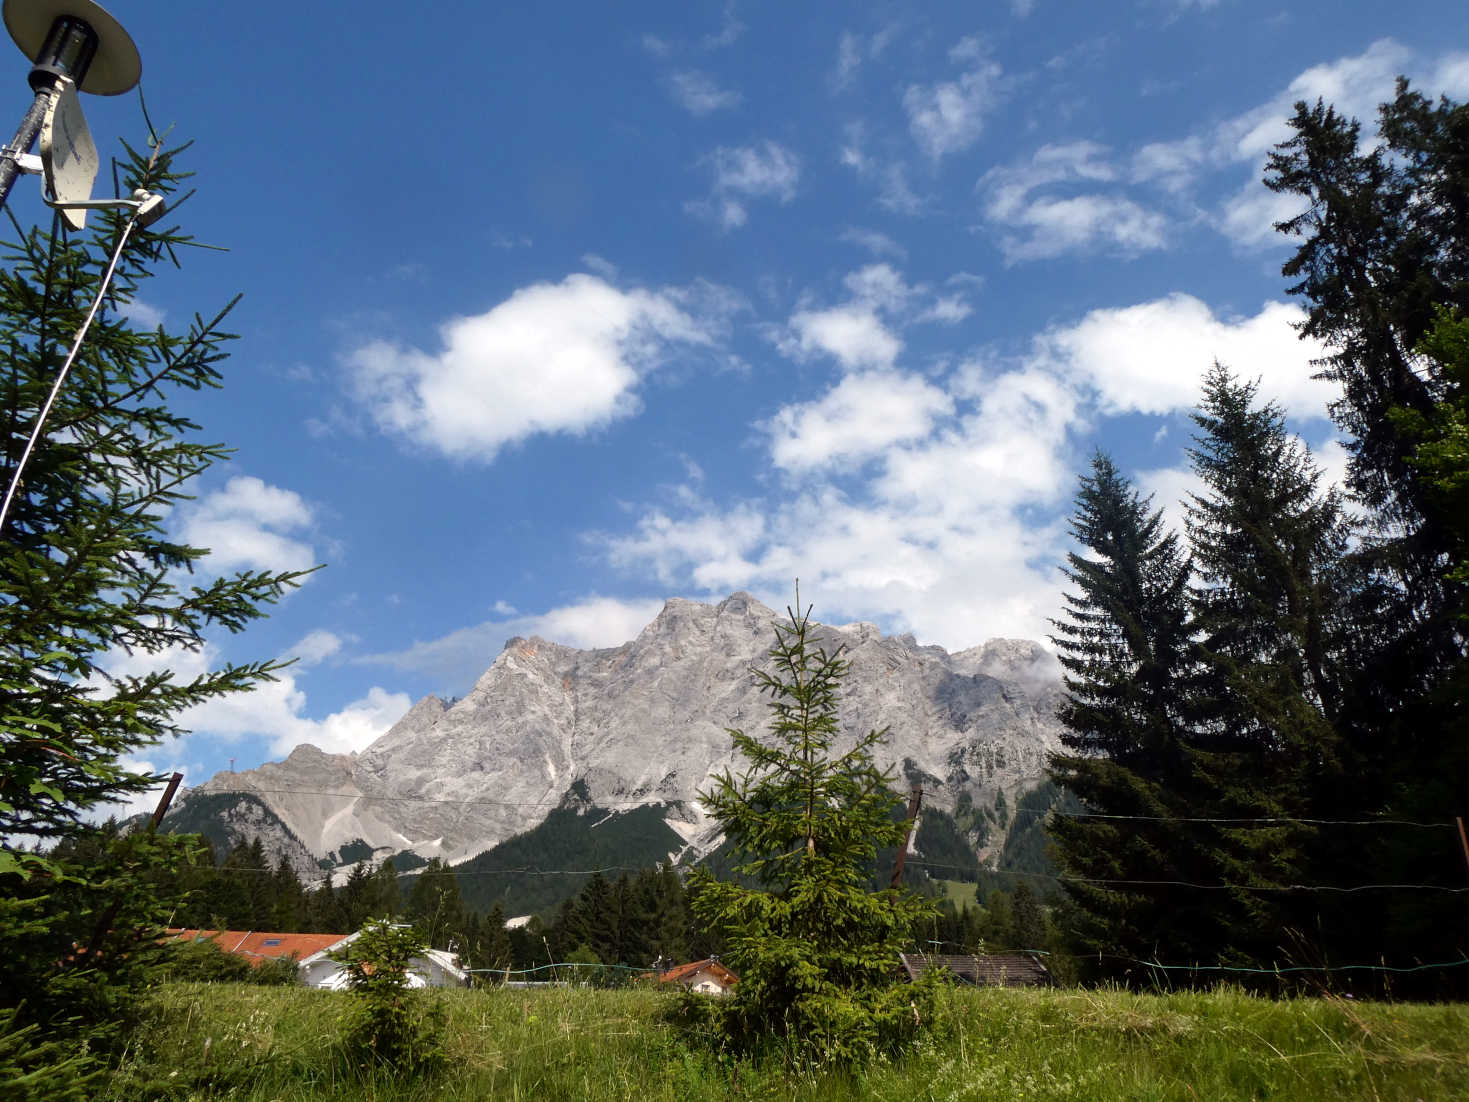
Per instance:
{"type": "Point", "coordinates": [646, 723]}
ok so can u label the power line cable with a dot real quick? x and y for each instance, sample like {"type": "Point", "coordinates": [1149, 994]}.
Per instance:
{"type": "Point", "coordinates": [1191, 884]}
{"type": "Point", "coordinates": [1264, 820]}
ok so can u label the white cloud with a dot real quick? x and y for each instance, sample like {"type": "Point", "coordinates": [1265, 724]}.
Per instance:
{"type": "Point", "coordinates": [764, 171]}
{"type": "Point", "coordinates": [936, 532]}
{"type": "Point", "coordinates": [948, 116]}
{"type": "Point", "coordinates": [862, 416]}
{"type": "Point", "coordinates": [947, 310]}
{"type": "Point", "coordinates": [1036, 223]}
{"type": "Point", "coordinates": [249, 525]}
{"type": "Point", "coordinates": [273, 710]}
{"type": "Point", "coordinates": [853, 335]}
{"type": "Point", "coordinates": [315, 647]}
{"type": "Point", "coordinates": [948, 520]}
{"type": "Point", "coordinates": [730, 30]}
{"type": "Point", "coordinates": [699, 94]}
{"type": "Point", "coordinates": [1353, 85]}
{"type": "Point", "coordinates": [849, 60]}
{"type": "Point", "coordinates": [1151, 358]}
{"type": "Point", "coordinates": [878, 244]}
{"type": "Point", "coordinates": [563, 357]}
{"type": "Point", "coordinates": [1055, 227]}
{"type": "Point", "coordinates": [1169, 487]}
{"type": "Point", "coordinates": [143, 315]}
{"type": "Point", "coordinates": [460, 657]}
{"type": "Point", "coordinates": [853, 50]}
{"type": "Point", "coordinates": [1250, 215]}
{"type": "Point", "coordinates": [1170, 165]}
{"type": "Point", "coordinates": [890, 175]}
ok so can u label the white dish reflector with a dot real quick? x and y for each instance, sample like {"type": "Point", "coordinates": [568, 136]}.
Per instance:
{"type": "Point", "coordinates": [68, 154]}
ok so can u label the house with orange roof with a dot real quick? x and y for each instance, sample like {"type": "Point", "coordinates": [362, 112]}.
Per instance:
{"type": "Point", "coordinates": [313, 956]}
{"type": "Point", "coordinates": [707, 977]}
{"type": "Point", "coordinates": [258, 946]}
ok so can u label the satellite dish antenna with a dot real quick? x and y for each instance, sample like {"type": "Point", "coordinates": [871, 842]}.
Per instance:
{"type": "Point", "coordinates": [53, 34]}
{"type": "Point", "coordinates": [68, 155]}
{"type": "Point", "coordinates": [66, 40]}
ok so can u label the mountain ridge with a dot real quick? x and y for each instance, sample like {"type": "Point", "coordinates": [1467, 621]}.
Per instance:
{"type": "Point", "coordinates": [647, 723]}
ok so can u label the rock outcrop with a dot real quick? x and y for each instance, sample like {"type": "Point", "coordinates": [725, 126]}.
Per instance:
{"type": "Point", "coordinates": [647, 723]}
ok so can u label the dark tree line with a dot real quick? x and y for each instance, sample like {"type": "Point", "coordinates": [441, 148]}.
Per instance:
{"type": "Point", "coordinates": [631, 921]}
{"type": "Point", "coordinates": [1296, 655]}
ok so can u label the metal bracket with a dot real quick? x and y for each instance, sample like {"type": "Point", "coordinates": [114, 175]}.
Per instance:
{"type": "Point", "coordinates": [29, 163]}
{"type": "Point", "coordinates": [149, 207]}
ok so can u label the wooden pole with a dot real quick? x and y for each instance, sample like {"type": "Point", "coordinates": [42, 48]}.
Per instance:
{"type": "Point", "coordinates": [100, 934]}
{"type": "Point", "coordinates": [915, 801]}
{"type": "Point", "coordinates": [1463, 840]}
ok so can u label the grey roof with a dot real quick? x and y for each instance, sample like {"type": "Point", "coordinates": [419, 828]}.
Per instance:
{"type": "Point", "coordinates": [989, 970]}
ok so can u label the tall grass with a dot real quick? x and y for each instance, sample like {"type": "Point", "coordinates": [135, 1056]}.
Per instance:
{"type": "Point", "coordinates": [249, 1043]}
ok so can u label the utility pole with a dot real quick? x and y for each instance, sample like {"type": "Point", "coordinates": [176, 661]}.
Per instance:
{"type": "Point", "coordinates": [1463, 840]}
{"type": "Point", "coordinates": [915, 801]}
{"type": "Point", "coordinates": [110, 916]}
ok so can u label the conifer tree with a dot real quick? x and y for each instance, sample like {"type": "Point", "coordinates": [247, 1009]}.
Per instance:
{"type": "Point", "coordinates": [89, 570]}
{"type": "Point", "coordinates": [1271, 611]}
{"type": "Point", "coordinates": [1126, 649]}
{"type": "Point", "coordinates": [815, 950]}
{"type": "Point", "coordinates": [1383, 252]}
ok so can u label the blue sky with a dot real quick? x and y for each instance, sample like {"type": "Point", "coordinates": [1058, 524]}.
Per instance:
{"type": "Point", "coordinates": [553, 312]}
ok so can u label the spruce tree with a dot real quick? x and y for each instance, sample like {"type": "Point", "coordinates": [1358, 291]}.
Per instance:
{"type": "Point", "coordinates": [1383, 252]}
{"type": "Point", "coordinates": [1272, 612]}
{"type": "Point", "coordinates": [1125, 645]}
{"type": "Point", "coordinates": [815, 950]}
{"type": "Point", "coordinates": [89, 570]}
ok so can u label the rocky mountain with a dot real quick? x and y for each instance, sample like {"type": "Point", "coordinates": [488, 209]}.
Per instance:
{"type": "Point", "coordinates": [549, 726]}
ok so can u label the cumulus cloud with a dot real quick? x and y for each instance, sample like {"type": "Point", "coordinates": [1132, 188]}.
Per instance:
{"type": "Point", "coordinates": [249, 525]}
{"type": "Point", "coordinates": [1151, 358]}
{"type": "Point", "coordinates": [315, 647]}
{"type": "Point", "coordinates": [458, 658]}
{"type": "Point", "coordinates": [862, 416]}
{"type": "Point", "coordinates": [1355, 85]}
{"type": "Point", "coordinates": [937, 504]}
{"type": "Point", "coordinates": [275, 711]}
{"type": "Point", "coordinates": [699, 94]}
{"type": "Point", "coordinates": [553, 358]}
{"type": "Point", "coordinates": [859, 334]}
{"type": "Point", "coordinates": [853, 335]}
{"type": "Point", "coordinates": [948, 116]}
{"type": "Point", "coordinates": [741, 173]}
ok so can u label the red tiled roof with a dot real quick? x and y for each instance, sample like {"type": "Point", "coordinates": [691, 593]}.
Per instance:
{"type": "Point", "coordinates": [686, 972]}
{"type": "Point", "coordinates": [261, 945]}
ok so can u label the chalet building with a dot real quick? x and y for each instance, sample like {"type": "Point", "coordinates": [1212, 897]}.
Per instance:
{"type": "Point", "coordinates": [258, 946]}
{"type": "Point", "coordinates": [707, 977]}
{"type": "Point", "coordinates": [312, 953]}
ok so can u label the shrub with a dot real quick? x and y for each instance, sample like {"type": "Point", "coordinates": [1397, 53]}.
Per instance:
{"type": "Point", "coordinates": [390, 1027]}
{"type": "Point", "coordinates": [816, 952]}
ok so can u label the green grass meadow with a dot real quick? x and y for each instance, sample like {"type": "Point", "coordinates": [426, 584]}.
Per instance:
{"type": "Point", "coordinates": [227, 1041]}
